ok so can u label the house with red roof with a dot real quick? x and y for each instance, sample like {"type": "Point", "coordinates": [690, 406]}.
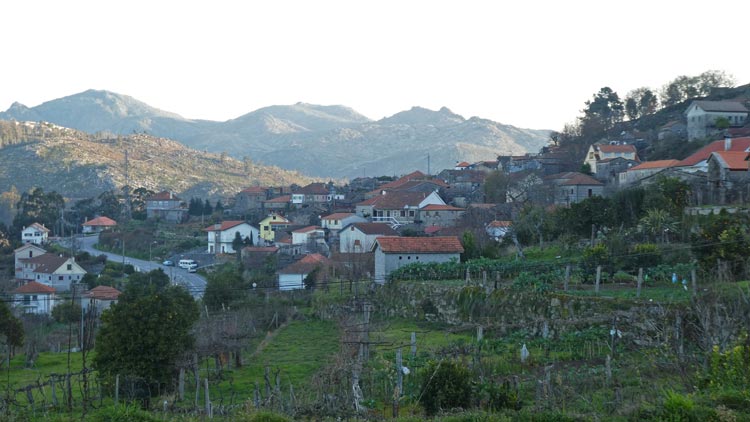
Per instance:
{"type": "Point", "coordinates": [166, 206]}
{"type": "Point", "coordinates": [337, 221]}
{"type": "Point", "coordinates": [292, 277]}
{"type": "Point", "coordinates": [698, 161]}
{"type": "Point", "coordinates": [463, 165]}
{"type": "Point", "coordinates": [359, 237]}
{"type": "Point", "coordinates": [314, 193]}
{"type": "Point", "coordinates": [271, 224]}
{"type": "Point", "coordinates": [250, 199]}
{"type": "Point", "coordinates": [497, 229]}
{"type": "Point", "coordinates": [728, 171]}
{"type": "Point", "coordinates": [222, 235]}
{"type": "Point", "coordinates": [304, 235]}
{"type": "Point", "coordinates": [391, 253]}
{"type": "Point", "coordinates": [397, 207]}
{"type": "Point", "coordinates": [35, 298]}
{"type": "Point", "coordinates": [100, 298]}
{"type": "Point", "coordinates": [440, 215]}
{"type": "Point", "coordinates": [703, 115]}
{"type": "Point", "coordinates": [278, 204]}
{"type": "Point", "coordinates": [599, 152]}
{"type": "Point", "coordinates": [35, 233]}
{"type": "Point", "coordinates": [644, 170]}
{"type": "Point", "coordinates": [572, 187]}
{"type": "Point", "coordinates": [56, 271]}
{"type": "Point", "coordinates": [412, 182]}
{"type": "Point", "coordinates": [98, 224]}
{"type": "Point", "coordinates": [26, 251]}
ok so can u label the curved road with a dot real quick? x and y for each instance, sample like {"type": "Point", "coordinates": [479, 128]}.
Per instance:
{"type": "Point", "coordinates": [193, 282]}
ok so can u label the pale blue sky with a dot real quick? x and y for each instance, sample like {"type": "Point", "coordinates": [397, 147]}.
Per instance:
{"type": "Point", "coordinates": [530, 63]}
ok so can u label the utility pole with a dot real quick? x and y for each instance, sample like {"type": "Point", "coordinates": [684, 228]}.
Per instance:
{"type": "Point", "coordinates": [127, 211]}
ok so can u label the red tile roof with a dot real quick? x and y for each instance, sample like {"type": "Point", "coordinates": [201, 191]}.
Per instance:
{"type": "Point", "coordinates": [582, 179]}
{"type": "Point", "coordinates": [395, 200]}
{"type": "Point", "coordinates": [307, 229]}
{"type": "Point", "coordinates": [498, 223]}
{"type": "Point", "coordinates": [224, 225]}
{"type": "Point", "coordinates": [280, 199]}
{"type": "Point", "coordinates": [314, 189]}
{"type": "Point", "coordinates": [101, 221]}
{"type": "Point", "coordinates": [34, 287]}
{"type": "Point", "coordinates": [254, 189]}
{"type": "Point", "coordinates": [103, 293]}
{"type": "Point", "coordinates": [439, 244]}
{"type": "Point", "coordinates": [382, 229]}
{"type": "Point", "coordinates": [738, 144]}
{"type": "Point", "coordinates": [463, 164]}
{"type": "Point", "coordinates": [732, 160]}
{"type": "Point", "coordinates": [616, 148]}
{"type": "Point", "coordinates": [306, 265]}
{"type": "Point", "coordinates": [655, 164]}
{"type": "Point", "coordinates": [338, 216]}
{"type": "Point", "coordinates": [432, 229]}
{"type": "Point", "coordinates": [163, 196]}
{"type": "Point", "coordinates": [438, 207]}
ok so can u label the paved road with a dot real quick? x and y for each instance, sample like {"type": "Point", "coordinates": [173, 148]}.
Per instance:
{"type": "Point", "coordinates": [195, 283]}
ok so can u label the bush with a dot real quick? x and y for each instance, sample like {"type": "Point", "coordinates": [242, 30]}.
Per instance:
{"type": "Point", "coordinates": [66, 312]}
{"type": "Point", "coordinates": [123, 414]}
{"type": "Point", "coordinates": [261, 417]}
{"type": "Point", "coordinates": [622, 277]}
{"type": "Point", "coordinates": [445, 385]}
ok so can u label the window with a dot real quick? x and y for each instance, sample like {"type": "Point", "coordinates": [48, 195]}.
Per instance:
{"type": "Point", "coordinates": [70, 267]}
{"type": "Point", "coordinates": [411, 213]}
{"type": "Point", "coordinates": [26, 299]}
{"type": "Point", "coordinates": [61, 278]}
{"type": "Point", "coordinates": [403, 213]}
{"type": "Point", "coordinates": [34, 298]}
{"type": "Point", "coordinates": [416, 257]}
{"type": "Point", "coordinates": [400, 257]}
{"type": "Point", "coordinates": [591, 192]}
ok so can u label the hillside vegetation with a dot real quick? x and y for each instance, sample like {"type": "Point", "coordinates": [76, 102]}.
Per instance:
{"type": "Point", "coordinates": [77, 164]}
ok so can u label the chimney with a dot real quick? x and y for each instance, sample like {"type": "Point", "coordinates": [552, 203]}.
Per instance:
{"type": "Point", "coordinates": [727, 143]}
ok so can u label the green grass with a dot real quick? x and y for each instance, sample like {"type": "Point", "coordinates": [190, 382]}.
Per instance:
{"type": "Point", "coordinates": [662, 293]}
{"type": "Point", "coordinates": [299, 349]}
{"type": "Point", "coordinates": [47, 363]}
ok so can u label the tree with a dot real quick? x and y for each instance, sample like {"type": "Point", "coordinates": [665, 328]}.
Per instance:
{"type": "Point", "coordinates": [219, 206]}
{"type": "Point", "coordinates": [686, 87]}
{"type": "Point", "coordinates": [602, 112]}
{"type": "Point", "coordinates": [496, 187]}
{"type": "Point", "coordinates": [66, 312]}
{"type": "Point", "coordinates": [658, 223]}
{"type": "Point", "coordinates": [237, 243]}
{"type": "Point", "coordinates": [207, 209]}
{"type": "Point", "coordinates": [640, 102]}
{"type": "Point", "coordinates": [10, 327]}
{"type": "Point", "coordinates": [195, 207]}
{"type": "Point", "coordinates": [138, 202]}
{"type": "Point", "coordinates": [38, 207]}
{"type": "Point", "coordinates": [147, 331]}
{"type": "Point", "coordinates": [224, 288]}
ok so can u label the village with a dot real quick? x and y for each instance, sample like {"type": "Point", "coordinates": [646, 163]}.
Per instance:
{"type": "Point", "coordinates": [530, 224]}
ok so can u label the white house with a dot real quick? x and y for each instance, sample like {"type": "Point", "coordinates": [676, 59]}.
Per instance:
{"type": "Point", "coordinates": [391, 253]}
{"type": "Point", "coordinates": [26, 251]}
{"type": "Point", "coordinates": [702, 115]}
{"type": "Point", "coordinates": [36, 233]}
{"type": "Point", "coordinates": [98, 224]}
{"type": "Point", "coordinates": [598, 152]}
{"type": "Point", "coordinates": [221, 235]}
{"type": "Point", "coordinates": [100, 298]}
{"type": "Point", "coordinates": [497, 229]}
{"type": "Point", "coordinates": [359, 237]}
{"type": "Point", "coordinates": [52, 270]}
{"type": "Point", "coordinates": [307, 234]}
{"type": "Point", "coordinates": [292, 277]}
{"type": "Point", "coordinates": [397, 207]}
{"type": "Point", "coordinates": [339, 220]}
{"type": "Point", "coordinates": [35, 298]}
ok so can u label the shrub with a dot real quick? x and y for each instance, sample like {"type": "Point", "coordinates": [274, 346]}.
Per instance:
{"type": "Point", "coordinates": [445, 385]}
{"type": "Point", "coordinates": [261, 417]}
{"type": "Point", "coordinates": [66, 312]}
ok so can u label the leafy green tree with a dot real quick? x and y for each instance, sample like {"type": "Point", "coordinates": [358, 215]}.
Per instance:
{"type": "Point", "coordinates": [138, 202]}
{"type": "Point", "coordinates": [722, 123]}
{"type": "Point", "coordinates": [445, 385]}
{"type": "Point", "coordinates": [533, 224]}
{"type": "Point", "coordinates": [10, 327]}
{"type": "Point", "coordinates": [595, 212]}
{"type": "Point", "coordinates": [686, 87]}
{"type": "Point", "coordinates": [640, 102]}
{"type": "Point", "coordinates": [237, 243]}
{"type": "Point", "coordinates": [469, 242]}
{"type": "Point", "coordinates": [496, 186]}
{"type": "Point", "coordinates": [38, 207]}
{"type": "Point", "coordinates": [219, 206]}
{"type": "Point", "coordinates": [207, 209]}
{"type": "Point", "coordinates": [658, 223]}
{"type": "Point", "coordinates": [224, 288]}
{"type": "Point", "coordinates": [66, 312]}
{"type": "Point", "coordinates": [602, 112]}
{"type": "Point", "coordinates": [145, 333]}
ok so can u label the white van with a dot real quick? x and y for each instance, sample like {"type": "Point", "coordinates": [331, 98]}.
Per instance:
{"type": "Point", "coordinates": [187, 263]}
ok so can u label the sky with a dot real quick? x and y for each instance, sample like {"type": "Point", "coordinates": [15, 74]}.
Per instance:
{"type": "Point", "coordinates": [530, 63]}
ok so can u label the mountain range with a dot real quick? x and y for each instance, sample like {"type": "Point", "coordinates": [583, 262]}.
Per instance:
{"type": "Point", "coordinates": [322, 141]}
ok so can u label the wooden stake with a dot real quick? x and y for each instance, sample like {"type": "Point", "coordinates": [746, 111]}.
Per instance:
{"type": "Point", "coordinates": [640, 282]}
{"type": "Point", "coordinates": [567, 277]}
{"type": "Point", "coordinates": [598, 278]}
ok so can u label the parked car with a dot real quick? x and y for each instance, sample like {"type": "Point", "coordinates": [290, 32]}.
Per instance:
{"type": "Point", "coordinates": [168, 263]}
